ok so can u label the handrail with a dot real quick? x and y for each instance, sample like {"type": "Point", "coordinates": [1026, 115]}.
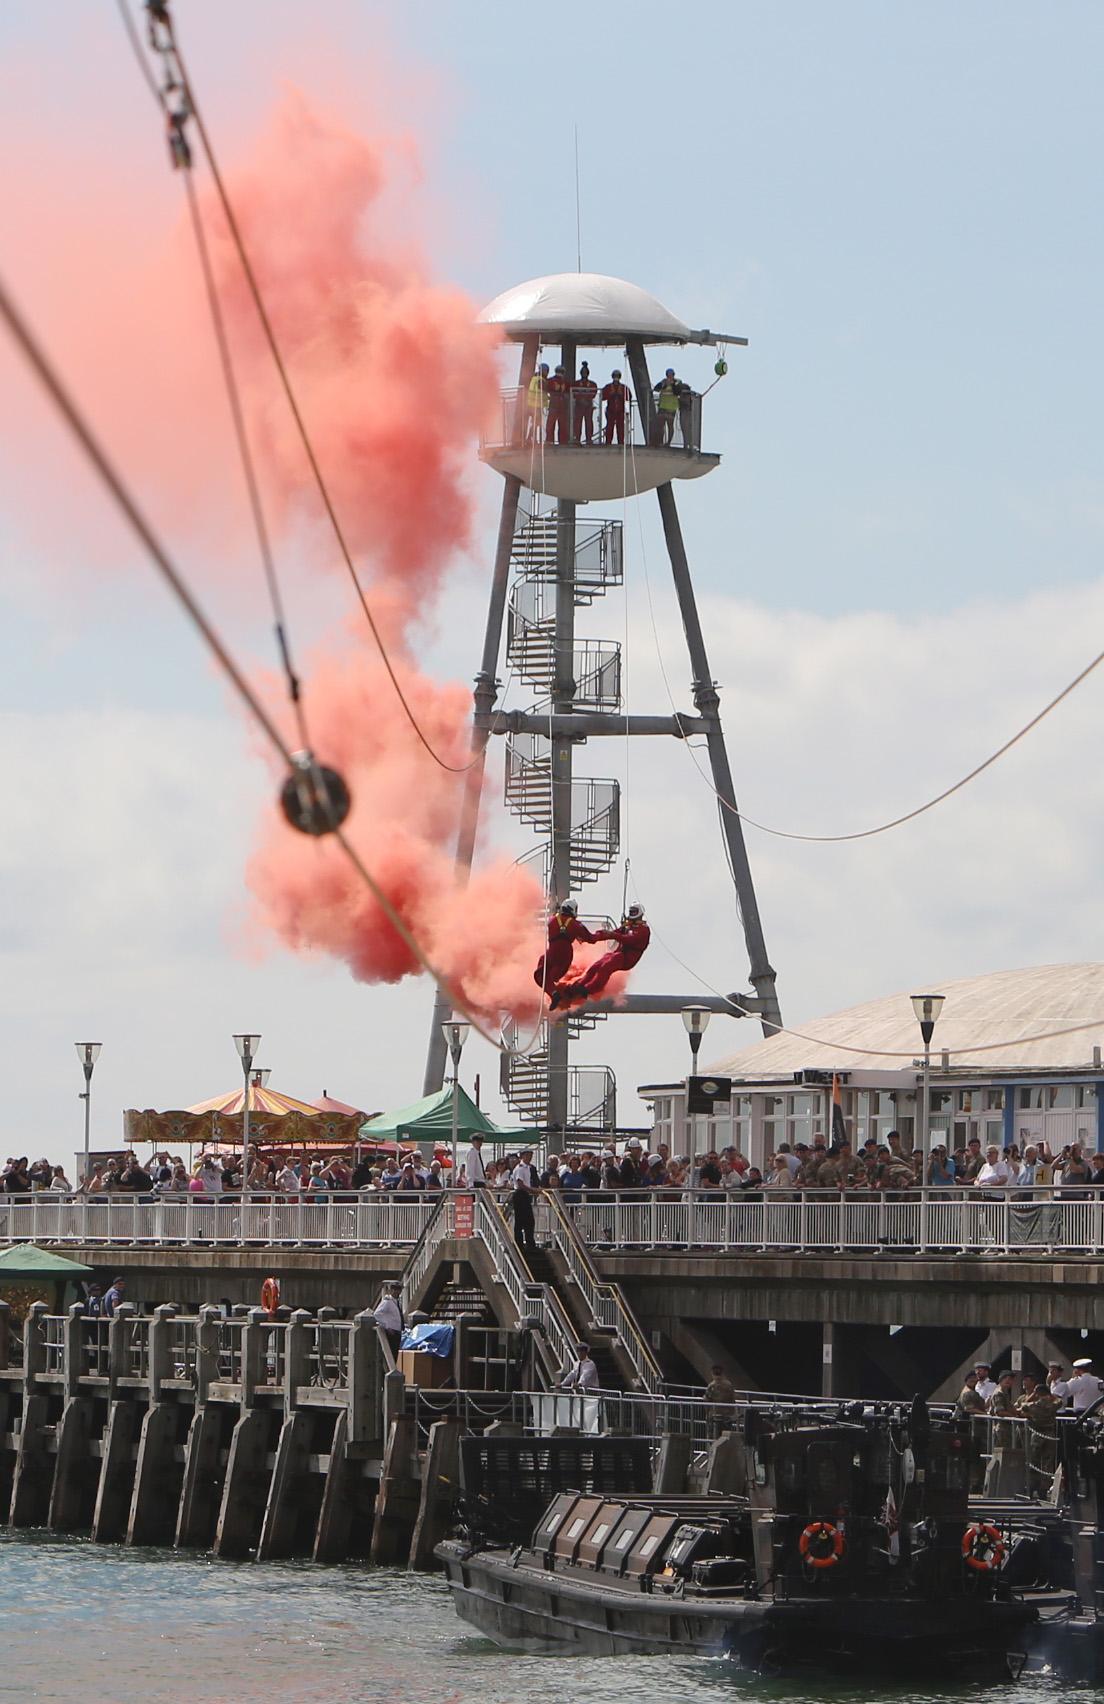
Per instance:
{"type": "Point", "coordinates": [606, 1301]}
{"type": "Point", "coordinates": [439, 1227]}
{"type": "Point", "coordinates": [527, 1295]}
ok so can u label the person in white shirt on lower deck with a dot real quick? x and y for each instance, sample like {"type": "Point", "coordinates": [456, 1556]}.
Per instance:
{"type": "Point", "coordinates": [583, 1373]}
{"type": "Point", "coordinates": [473, 1165]}
{"type": "Point", "coordinates": [986, 1383]}
{"type": "Point", "coordinates": [1084, 1386]}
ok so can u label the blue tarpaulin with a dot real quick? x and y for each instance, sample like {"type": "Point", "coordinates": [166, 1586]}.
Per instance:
{"type": "Point", "coordinates": [432, 1338]}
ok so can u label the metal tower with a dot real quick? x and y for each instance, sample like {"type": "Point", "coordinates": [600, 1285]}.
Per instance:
{"type": "Point", "coordinates": [548, 565]}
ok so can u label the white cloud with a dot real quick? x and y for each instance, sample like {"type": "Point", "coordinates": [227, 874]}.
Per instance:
{"type": "Point", "coordinates": [126, 833]}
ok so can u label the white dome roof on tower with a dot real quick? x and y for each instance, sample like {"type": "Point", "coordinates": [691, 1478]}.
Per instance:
{"type": "Point", "coordinates": [585, 305]}
{"type": "Point", "coordinates": [979, 1010]}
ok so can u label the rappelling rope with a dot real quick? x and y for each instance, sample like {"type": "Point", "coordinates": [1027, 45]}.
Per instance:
{"type": "Point", "coordinates": [160, 19]}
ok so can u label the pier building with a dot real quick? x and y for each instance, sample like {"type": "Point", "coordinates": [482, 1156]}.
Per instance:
{"type": "Point", "coordinates": [1049, 1090]}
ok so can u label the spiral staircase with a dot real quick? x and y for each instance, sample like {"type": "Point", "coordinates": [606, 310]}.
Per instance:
{"type": "Point", "coordinates": [595, 801]}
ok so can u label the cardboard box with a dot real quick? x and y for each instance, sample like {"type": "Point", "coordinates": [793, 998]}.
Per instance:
{"type": "Point", "coordinates": [430, 1372]}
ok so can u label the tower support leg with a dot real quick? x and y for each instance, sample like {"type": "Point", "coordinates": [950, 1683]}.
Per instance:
{"type": "Point", "coordinates": [563, 698]}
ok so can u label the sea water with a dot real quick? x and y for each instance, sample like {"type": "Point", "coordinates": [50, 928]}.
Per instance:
{"type": "Point", "coordinates": [106, 1625]}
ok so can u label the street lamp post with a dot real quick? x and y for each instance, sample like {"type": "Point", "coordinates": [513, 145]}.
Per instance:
{"type": "Point", "coordinates": [248, 1047]}
{"type": "Point", "coordinates": [456, 1034]}
{"type": "Point", "coordinates": [696, 1020]}
{"type": "Point", "coordinates": [88, 1052]}
{"type": "Point", "coordinates": [927, 1008]}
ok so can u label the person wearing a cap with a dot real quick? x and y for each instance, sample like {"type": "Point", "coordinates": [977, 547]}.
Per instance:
{"type": "Point", "coordinates": [969, 1402]}
{"type": "Point", "coordinates": [1084, 1386]}
{"type": "Point", "coordinates": [524, 1182]}
{"type": "Point", "coordinates": [1057, 1383]}
{"type": "Point", "coordinates": [473, 1163]}
{"type": "Point", "coordinates": [986, 1384]}
{"type": "Point", "coordinates": [631, 1176]}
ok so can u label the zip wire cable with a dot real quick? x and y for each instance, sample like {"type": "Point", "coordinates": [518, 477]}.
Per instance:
{"type": "Point", "coordinates": [896, 822]}
{"type": "Point", "coordinates": [160, 15]}
{"type": "Point", "coordinates": [51, 382]}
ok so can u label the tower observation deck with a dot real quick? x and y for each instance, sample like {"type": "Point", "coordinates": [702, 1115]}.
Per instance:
{"type": "Point", "coordinates": [566, 436]}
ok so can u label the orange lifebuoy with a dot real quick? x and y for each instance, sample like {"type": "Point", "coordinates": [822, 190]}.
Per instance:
{"type": "Point", "coordinates": [982, 1547]}
{"type": "Point", "coordinates": [829, 1544]}
{"type": "Point", "coordinates": [270, 1295]}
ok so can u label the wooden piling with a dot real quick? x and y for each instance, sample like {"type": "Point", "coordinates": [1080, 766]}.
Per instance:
{"type": "Point", "coordinates": [201, 1491]}
{"type": "Point", "coordinates": [440, 1484]}
{"type": "Point", "coordinates": [32, 1481]}
{"type": "Point", "coordinates": [331, 1535]}
{"type": "Point", "coordinates": [398, 1498]}
{"type": "Point", "coordinates": [672, 1463]}
{"type": "Point", "coordinates": [285, 1492]}
{"type": "Point", "coordinates": [244, 1488]}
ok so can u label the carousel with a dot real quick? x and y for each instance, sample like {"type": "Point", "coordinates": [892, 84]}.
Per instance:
{"type": "Point", "coordinates": [278, 1124]}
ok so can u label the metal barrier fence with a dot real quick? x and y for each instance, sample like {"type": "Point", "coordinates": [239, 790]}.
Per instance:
{"type": "Point", "coordinates": [354, 1221]}
{"type": "Point", "coordinates": [969, 1221]}
{"type": "Point", "coordinates": [581, 423]}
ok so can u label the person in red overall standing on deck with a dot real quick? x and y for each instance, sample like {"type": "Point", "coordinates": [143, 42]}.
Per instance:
{"type": "Point", "coordinates": [559, 389]}
{"type": "Point", "coordinates": [583, 393]}
{"type": "Point", "coordinates": [632, 943]}
{"type": "Point", "coordinates": [564, 929]}
{"type": "Point", "coordinates": [615, 395]}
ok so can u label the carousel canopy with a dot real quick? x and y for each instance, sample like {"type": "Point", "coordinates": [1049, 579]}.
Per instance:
{"type": "Point", "coordinates": [430, 1120]}
{"type": "Point", "coordinates": [260, 1100]}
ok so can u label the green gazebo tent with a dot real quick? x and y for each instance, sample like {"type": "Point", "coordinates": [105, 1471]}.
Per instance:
{"type": "Point", "coordinates": [429, 1120]}
{"type": "Point", "coordinates": [26, 1260]}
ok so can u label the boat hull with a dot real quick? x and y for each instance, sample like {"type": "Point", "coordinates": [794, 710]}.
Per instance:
{"type": "Point", "coordinates": [526, 1609]}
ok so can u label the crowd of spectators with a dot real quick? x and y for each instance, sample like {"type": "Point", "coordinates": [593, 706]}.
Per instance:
{"type": "Point", "coordinates": [817, 1165]}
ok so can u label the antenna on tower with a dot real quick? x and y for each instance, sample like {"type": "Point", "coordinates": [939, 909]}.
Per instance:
{"type": "Point", "coordinates": [578, 214]}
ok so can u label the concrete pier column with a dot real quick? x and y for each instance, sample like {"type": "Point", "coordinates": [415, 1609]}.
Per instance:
{"type": "Point", "coordinates": [201, 1490]}
{"type": "Point", "coordinates": [440, 1484]}
{"type": "Point", "coordinates": [335, 1517]}
{"type": "Point", "coordinates": [287, 1486]}
{"type": "Point", "coordinates": [245, 1489]}
{"type": "Point", "coordinates": [157, 1474]}
{"type": "Point", "coordinates": [116, 1487]}
{"type": "Point", "coordinates": [397, 1502]}
{"type": "Point", "coordinates": [672, 1463]}
{"type": "Point", "coordinates": [34, 1466]}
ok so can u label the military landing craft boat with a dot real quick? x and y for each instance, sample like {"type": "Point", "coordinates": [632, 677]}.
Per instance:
{"type": "Point", "coordinates": [851, 1547]}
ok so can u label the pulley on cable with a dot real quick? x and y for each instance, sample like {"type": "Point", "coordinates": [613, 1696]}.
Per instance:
{"type": "Point", "coordinates": [315, 800]}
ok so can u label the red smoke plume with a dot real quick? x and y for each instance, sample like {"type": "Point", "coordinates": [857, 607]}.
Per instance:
{"type": "Point", "coordinates": [393, 377]}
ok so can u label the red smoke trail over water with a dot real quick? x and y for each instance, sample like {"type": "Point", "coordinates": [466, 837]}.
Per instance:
{"type": "Point", "coordinates": [393, 379]}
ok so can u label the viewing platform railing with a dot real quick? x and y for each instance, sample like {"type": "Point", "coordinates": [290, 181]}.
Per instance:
{"type": "Point", "coordinates": [578, 424]}
{"type": "Point", "coordinates": [1064, 1220]}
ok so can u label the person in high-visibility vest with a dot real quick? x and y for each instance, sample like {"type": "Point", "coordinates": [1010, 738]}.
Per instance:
{"type": "Point", "coordinates": [538, 397]}
{"type": "Point", "coordinates": [559, 389]}
{"type": "Point", "coordinates": [667, 406]}
{"type": "Point", "coordinates": [615, 395]}
{"type": "Point", "coordinates": [583, 393]}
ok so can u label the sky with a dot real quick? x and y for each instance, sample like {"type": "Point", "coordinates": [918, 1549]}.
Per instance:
{"type": "Point", "coordinates": [898, 559]}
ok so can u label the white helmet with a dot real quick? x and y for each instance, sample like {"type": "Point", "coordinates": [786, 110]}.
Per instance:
{"type": "Point", "coordinates": [635, 914]}
{"type": "Point", "coordinates": [569, 908]}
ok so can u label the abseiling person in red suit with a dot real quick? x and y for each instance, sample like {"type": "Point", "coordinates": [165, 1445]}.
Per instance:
{"type": "Point", "coordinates": [564, 929]}
{"type": "Point", "coordinates": [632, 943]}
{"type": "Point", "coordinates": [615, 395]}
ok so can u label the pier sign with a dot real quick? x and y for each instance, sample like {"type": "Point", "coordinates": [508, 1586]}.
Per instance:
{"type": "Point", "coordinates": [464, 1215]}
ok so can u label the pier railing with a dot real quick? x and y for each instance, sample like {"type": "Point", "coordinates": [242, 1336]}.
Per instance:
{"type": "Point", "coordinates": [1064, 1220]}
{"type": "Point", "coordinates": [365, 1221]}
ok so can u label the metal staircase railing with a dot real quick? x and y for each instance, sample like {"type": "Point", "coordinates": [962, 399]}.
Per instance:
{"type": "Point", "coordinates": [530, 650]}
{"type": "Point", "coordinates": [606, 1303]}
{"type": "Point", "coordinates": [595, 806]}
{"type": "Point", "coordinates": [599, 553]}
{"type": "Point", "coordinates": [439, 1227]}
{"type": "Point", "coordinates": [591, 1089]}
{"type": "Point", "coordinates": [528, 1298]}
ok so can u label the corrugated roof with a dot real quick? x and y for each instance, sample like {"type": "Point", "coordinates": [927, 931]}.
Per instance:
{"type": "Point", "coordinates": [1002, 1006]}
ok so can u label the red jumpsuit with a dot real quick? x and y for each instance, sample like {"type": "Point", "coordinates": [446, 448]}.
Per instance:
{"type": "Point", "coordinates": [583, 393]}
{"type": "Point", "coordinates": [559, 389]}
{"type": "Point", "coordinates": [632, 943]}
{"type": "Point", "coordinates": [615, 395]}
{"type": "Point", "coordinates": [555, 961]}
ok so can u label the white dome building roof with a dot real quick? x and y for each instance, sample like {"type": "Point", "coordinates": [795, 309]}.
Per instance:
{"type": "Point", "coordinates": [587, 306]}
{"type": "Point", "coordinates": [1000, 1007]}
